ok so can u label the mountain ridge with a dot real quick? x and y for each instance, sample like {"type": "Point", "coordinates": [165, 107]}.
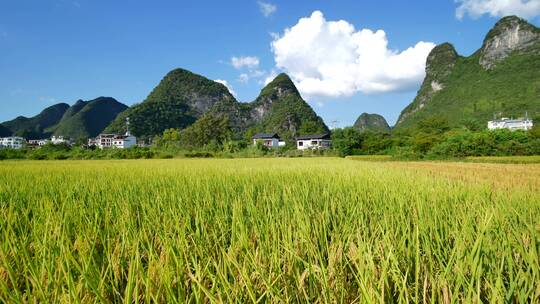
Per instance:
{"type": "Point", "coordinates": [88, 118]}
{"type": "Point", "coordinates": [502, 77]}
{"type": "Point", "coordinates": [280, 108]}
{"type": "Point", "coordinates": [371, 122]}
{"type": "Point", "coordinates": [82, 119]}
{"type": "Point", "coordinates": [35, 127]}
{"type": "Point", "coordinates": [182, 97]}
{"type": "Point", "coordinates": [179, 99]}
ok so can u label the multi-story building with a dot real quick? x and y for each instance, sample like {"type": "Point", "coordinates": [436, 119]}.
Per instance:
{"type": "Point", "coordinates": [57, 140]}
{"type": "Point", "coordinates": [12, 142]}
{"type": "Point", "coordinates": [104, 141]}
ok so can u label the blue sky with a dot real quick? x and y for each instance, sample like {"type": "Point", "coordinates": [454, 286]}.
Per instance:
{"type": "Point", "coordinates": [64, 50]}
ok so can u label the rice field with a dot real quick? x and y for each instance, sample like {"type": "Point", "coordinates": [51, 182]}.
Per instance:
{"type": "Point", "coordinates": [534, 159]}
{"type": "Point", "coordinates": [318, 230]}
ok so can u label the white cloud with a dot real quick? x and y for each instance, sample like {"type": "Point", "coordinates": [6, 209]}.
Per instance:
{"type": "Point", "coordinates": [498, 8]}
{"type": "Point", "coordinates": [266, 8]}
{"type": "Point", "coordinates": [245, 77]}
{"type": "Point", "coordinates": [332, 58]}
{"type": "Point", "coordinates": [245, 62]}
{"type": "Point", "coordinates": [226, 84]}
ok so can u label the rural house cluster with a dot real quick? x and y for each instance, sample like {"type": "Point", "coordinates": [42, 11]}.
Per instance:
{"type": "Point", "coordinates": [102, 141]}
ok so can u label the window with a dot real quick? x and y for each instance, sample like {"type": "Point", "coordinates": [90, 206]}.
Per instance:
{"type": "Point", "coordinates": [300, 143]}
{"type": "Point", "coordinates": [314, 142]}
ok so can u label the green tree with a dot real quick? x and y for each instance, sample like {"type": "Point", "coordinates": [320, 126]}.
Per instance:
{"type": "Point", "coordinates": [171, 135]}
{"type": "Point", "coordinates": [347, 141]}
{"type": "Point", "coordinates": [209, 129]}
{"type": "Point", "coordinates": [535, 131]}
{"type": "Point", "coordinates": [310, 127]}
{"type": "Point", "coordinates": [433, 125]}
{"type": "Point", "coordinates": [429, 132]}
{"type": "Point", "coordinates": [375, 142]}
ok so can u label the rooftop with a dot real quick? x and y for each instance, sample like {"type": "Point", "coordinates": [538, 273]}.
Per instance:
{"type": "Point", "coordinates": [265, 136]}
{"type": "Point", "coordinates": [511, 120]}
{"type": "Point", "coordinates": [313, 136]}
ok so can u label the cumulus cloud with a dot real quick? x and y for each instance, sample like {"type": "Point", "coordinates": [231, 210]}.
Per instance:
{"type": "Point", "coordinates": [332, 58]}
{"type": "Point", "coordinates": [245, 62]}
{"type": "Point", "coordinates": [267, 9]}
{"type": "Point", "coordinates": [498, 8]}
{"type": "Point", "coordinates": [226, 84]}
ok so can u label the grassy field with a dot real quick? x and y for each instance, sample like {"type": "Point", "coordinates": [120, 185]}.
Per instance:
{"type": "Point", "coordinates": [269, 230]}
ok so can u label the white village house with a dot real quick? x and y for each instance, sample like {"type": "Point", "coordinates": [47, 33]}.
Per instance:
{"type": "Point", "coordinates": [511, 124]}
{"type": "Point", "coordinates": [38, 142]}
{"type": "Point", "coordinates": [269, 140]}
{"type": "Point", "coordinates": [57, 140]}
{"type": "Point", "coordinates": [119, 141]}
{"type": "Point", "coordinates": [104, 141]}
{"type": "Point", "coordinates": [313, 142]}
{"type": "Point", "coordinates": [12, 142]}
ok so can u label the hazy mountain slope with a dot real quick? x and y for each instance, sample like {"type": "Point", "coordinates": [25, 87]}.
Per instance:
{"type": "Point", "coordinates": [35, 127]}
{"type": "Point", "coordinates": [503, 78]}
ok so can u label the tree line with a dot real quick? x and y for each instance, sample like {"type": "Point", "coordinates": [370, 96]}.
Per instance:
{"type": "Point", "coordinates": [433, 138]}
{"type": "Point", "coordinates": [212, 136]}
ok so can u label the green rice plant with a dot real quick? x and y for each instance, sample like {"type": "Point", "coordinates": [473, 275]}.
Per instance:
{"type": "Point", "coordinates": [266, 230]}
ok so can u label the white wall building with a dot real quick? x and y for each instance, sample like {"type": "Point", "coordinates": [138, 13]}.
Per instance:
{"type": "Point", "coordinates": [57, 140]}
{"type": "Point", "coordinates": [510, 124]}
{"type": "Point", "coordinates": [118, 141]}
{"type": "Point", "coordinates": [104, 141]}
{"type": "Point", "coordinates": [268, 140]}
{"type": "Point", "coordinates": [313, 142]}
{"type": "Point", "coordinates": [124, 141]}
{"type": "Point", "coordinates": [12, 142]}
{"type": "Point", "coordinates": [38, 142]}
